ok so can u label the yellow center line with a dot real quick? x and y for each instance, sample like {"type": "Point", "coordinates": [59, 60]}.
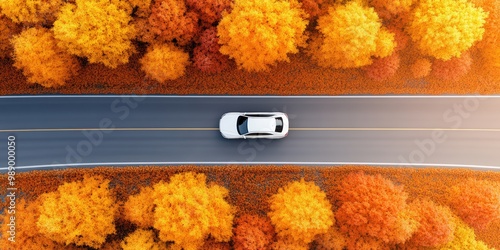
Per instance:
{"type": "Point", "coordinates": [212, 129]}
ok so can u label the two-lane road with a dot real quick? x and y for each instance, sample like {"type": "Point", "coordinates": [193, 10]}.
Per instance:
{"type": "Point", "coordinates": [61, 131]}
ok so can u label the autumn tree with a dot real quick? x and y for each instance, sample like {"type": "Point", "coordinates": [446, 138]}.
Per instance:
{"type": "Point", "coordinates": [139, 208]}
{"type": "Point", "coordinates": [252, 232]}
{"type": "Point", "coordinates": [259, 33]}
{"type": "Point", "coordinates": [350, 35]}
{"type": "Point", "coordinates": [477, 202]}
{"type": "Point", "coordinates": [206, 56]}
{"type": "Point", "coordinates": [36, 53]}
{"type": "Point", "coordinates": [331, 240]}
{"type": "Point", "coordinates": [26, 237]}
{"type": "Point", "coordinates": [31, 11]}
{"type": "Point", "coordinates": [463, 238]}
{"type": "Point", "coordinates": [300, 211]}
{"type": "Point", "coordinates": [80, 212]}
{"type": "Point", "coordinates": [187, 211]}
{"type": "Point", "coordinates": [7, 30]}
{"type": "Point", "coordinates": [382, 68]}
{"type": "Point", "coordinates": [96, 29]}
{"type": "Point", "coordinates": [453, 69]}
{"type": "Point", "coordinates": [435, 224]}
{"type": "Point", "coordinates": [446, 28]}
{"type": "Point", "coordinates": [389, 8]}
{"type": "Point", "coordinates": [488, 46]}
{"type": "Point", "coordinates": [171, 20]}
{"type": "Point", "coordinates": [142, 239]}
{"type": "Point", "coordinates": [209, 11]}
{"type": "Point", "coordinates": [421, 68]}
{"type": "Point", "coordinates": [373, 206]}
{"type": "Point", "coordinates": [163, 62]}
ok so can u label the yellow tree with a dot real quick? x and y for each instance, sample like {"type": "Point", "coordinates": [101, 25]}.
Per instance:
{"type": "Point", "coordinates": [463, 238]}
{"type": "Point", "coordinates": [96, 29]}
{"type": "Point", "coordinates": [41, 60]}
{"type": "Point", "coordinates": [446, 28]}
{"type": "Point", "coordinates": [143, 240]}
{"type": "Point", "coordinates": [187, 211]}
{"type": "Point", "coordinates": [31, 11]}
{"type": "Point", "coordinates": [163, 62]}
{"type": "Point", "coordinates": [300, 211]}
{"type": "Point", "coordinates": [349, 36]}
{"type": "Point", "coordinates": [259, 33]}
{"type": "Point", "coordinates": [80, 212]}
{"type": "Point", "coordinates": [139, 208]}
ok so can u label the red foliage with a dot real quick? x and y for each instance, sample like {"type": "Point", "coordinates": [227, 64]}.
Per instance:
{"type": "Point", "coordinates": [383, 68]}
{"type": "Point", "coordinates": [253, 232]}
{"type": "Point", "coordinates": [211, 244]}
{"type": "Point", "coordinates": [477, 202]}
{"type": "Point", "coordinates": [210, 11]}
{"type": "Point", "coordinates": [312, 7]}
{"type": "Point", "coordinates": [171, 20]}
{"type": "Point", "coordinates": [370, 206]}
{"type": "Point", "coordinates": [453, 69]}
{"type": "Point", "coordinates": [206, 56]}
{"type": "Point", "coordinates": [435, 224]}
{"type": "Point", "coordinates": [400, 37]}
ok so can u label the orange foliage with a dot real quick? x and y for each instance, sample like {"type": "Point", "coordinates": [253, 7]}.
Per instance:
{"type": "Point", "coordinates": [382, 68]}
{"type": "Point", "coordinates": [435, 227]}
{"type": "Point", "coordinates": [421, 68]}
{"type": "Point", "coordinates": [373, 206]}
{"type": "Point", "coordinates": [188, 211]}
{"type": "Point", "coordinates": [453, 69]}
{"type": "Point", "coordinates": [300, 211]}
{"type": "Point", "coordinates": [42, 61]}
{"type": "Point", "coordinates": [26, 235]}
{"type": "Point", "coordinates": [7, 30]}
{"type": "Point", "coordinates": [477, 202]}
{"type": "Point", "coordinates": [31, 11]}
{"type": "Point", "coordinates": [210, 11]}
{"type": "Point", "coordinates": [288, 244]}
{"type": "Point", "coordinates": [171, 20]}
{"type": "Point", "coordinates": [139, 208]}
{"type": "Point", "coordinates": [206, 56]}
{"type": "Point", "coordinates": [142, 239]}
{"type": "Point", "coordinates": [366, 243]}
{"type": "Point", "coordinates": [253, 232]}
{"type": "Point", "coordinates": [331, 240]}
{"type": "Point", "coordinates": [80, 212]}
{"type": "Point", "coordinates": [400, 38]}
{"type": "Point", "coordinates": [163, 62]}
{"type": "Point", "coordinates": [211, 244]}
{"type": "Point", "coordinates": [388, 8]}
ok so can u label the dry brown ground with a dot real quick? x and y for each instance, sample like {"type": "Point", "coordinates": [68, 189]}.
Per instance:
{"type": "Point", "coordinates": [299, 77]}
{"type": "Point", "coordinates": [250, 186]}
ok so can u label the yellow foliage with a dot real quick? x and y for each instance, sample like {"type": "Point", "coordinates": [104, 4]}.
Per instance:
{"type": "Point", "coordinates": [42, 61]}
{"type": "Point", "coordinates": [392, 6]}
{"type": "Point", "coordinates": [26, 237]}
{"type": "Point", "coordinates": [300, 211]}
{"type": "Point", "coordinates": [7, 30]}
{"type": "Point", "coordinates": [142, 240]}
{"type": "Point", "coordinates": [96, 29]}
{"type": "Point", "coordinates": [31, 11]}
{"type": "Point", "coordinates": [139, 208]}
{"type": "Point", "coordinates": [464, 238]}
{"type": "Point", "coordinates": [385, 43]}
{"type": "Point", "coordinates": [446, 28]}
{"type": "Point", "coordinates": [350, 37]}
{"type": "Point", "coordinates": [79, 212]}
{"type": "Point", "coordinates": [187, 211]}
{"type": "Point", "coordinates": [259, 33]}
{"type": "Point", "coordinates": [164, 62]}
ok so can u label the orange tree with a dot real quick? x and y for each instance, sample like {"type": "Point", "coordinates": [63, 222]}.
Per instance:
{"type": "Point", "coordinates": [31, 11]}
{"type": "Point", "coordinates": [206, 56]}
{"type": "Point", "coordinates": [96, 29]}
{"type": "Point", "coordinates": [259, 33]}
{"type": "Point", "coordinates": [300, 211]}
{"type": "Point", "coordinates": [477, 202]}
{"type": "Point", "coordinates": [187, 211]}
{"type": "Point", "coordinates": [373, 206]}
{"type": "Point", "coordinates": [349, 36]}
{"type": "Point", "coordinates": [253, 232]}
{"type": "Point", "coordinates": [80, 212]}
{"type": "Point", "coordinates": [446, 28]}
{"type": "Point", "coordinates": [209, 11]}
{"type": "Point", "coordinates": [41, 60]}
{"type": "Point", "coordinates": [163, 62]}
{"type": "Point", "coordinates": [7, 30]}
{"type": "Point", "coordinates": [142, 239]}
{"type": "Point", "coordinates": [139, 208]}
{"type": "Point", "coordinates": [331, 240]}
{"type": "Point", "coordinates": [463, 238]}
{"type": "Point", "coordinates": [171, 19]}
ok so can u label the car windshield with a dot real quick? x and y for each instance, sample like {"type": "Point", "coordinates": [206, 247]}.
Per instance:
{"type": "Point", "coordinates": [279, 125]}
{"type": "Point", "coordinates": [242, 125]}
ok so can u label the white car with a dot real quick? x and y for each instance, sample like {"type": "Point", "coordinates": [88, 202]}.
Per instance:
{"type": "Point", "coordinates": [254, 125]}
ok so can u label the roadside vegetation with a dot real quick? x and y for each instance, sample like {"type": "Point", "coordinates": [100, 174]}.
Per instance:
{"type": "Point", "coordinates": [255, 207]}
{"type": "Point", "coordinates": [284, 47]}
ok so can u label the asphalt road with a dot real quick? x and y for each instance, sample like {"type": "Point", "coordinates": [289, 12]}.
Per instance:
{"type": "Point", "coordinates": [53, 132]}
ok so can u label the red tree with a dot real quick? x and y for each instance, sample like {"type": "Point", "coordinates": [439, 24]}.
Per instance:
{"type": "Point", "coordinates": [206, 56]}
{"type": "Point", "coordinates": [253, 232]}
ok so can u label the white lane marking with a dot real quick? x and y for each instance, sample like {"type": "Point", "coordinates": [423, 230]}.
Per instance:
{"type": "Point", "coordinates": [374, 164]}
{"type": "Point", "coordinates": [256, 96]}
{"type": "Point", "coordinates": [213, 129]}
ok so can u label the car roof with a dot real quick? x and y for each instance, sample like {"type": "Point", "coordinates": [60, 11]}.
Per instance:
{"type": "Point", "coordinates": [261, 124]}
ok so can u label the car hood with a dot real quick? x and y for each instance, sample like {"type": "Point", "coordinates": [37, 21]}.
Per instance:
{"type": "Point", "coordinates": [227, 124]}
